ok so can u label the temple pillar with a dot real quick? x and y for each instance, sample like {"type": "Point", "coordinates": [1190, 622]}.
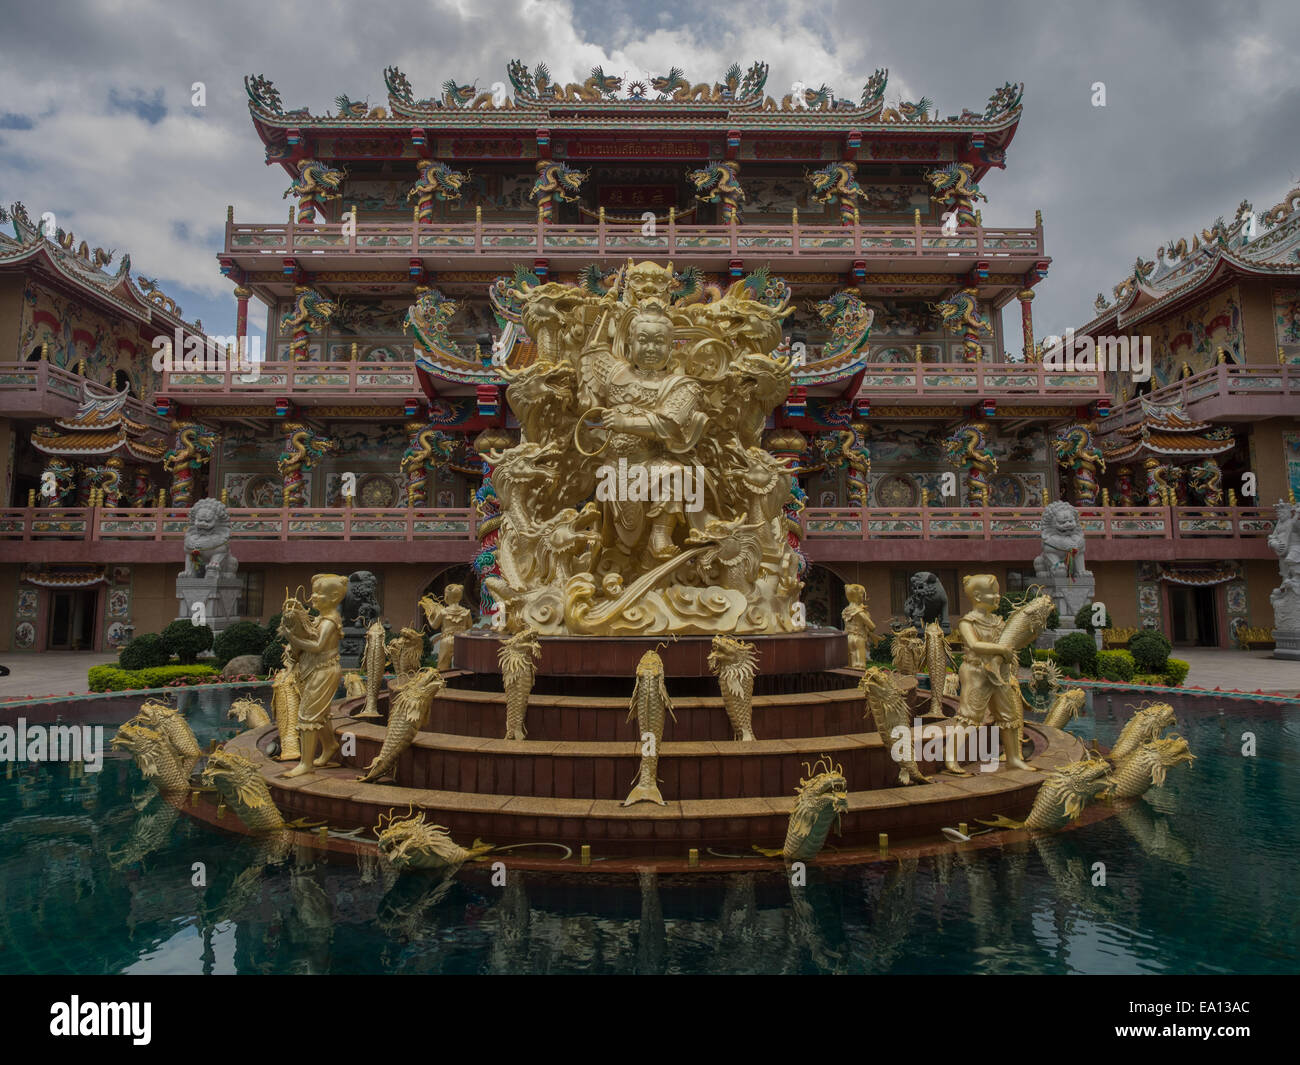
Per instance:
{"type": "Point", "coordinates": [241, 319]}
{"type": "Point", "coordinates": [1026, 297]}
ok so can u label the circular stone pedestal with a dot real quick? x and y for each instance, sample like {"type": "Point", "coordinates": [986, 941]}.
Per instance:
{"type": "Point", "coordinates": [810, 651]}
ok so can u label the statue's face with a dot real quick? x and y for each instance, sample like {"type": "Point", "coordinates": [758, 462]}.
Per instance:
{"type": "Point", "coordinates": [651, 344]}
{"type": "Point", "coordinates": [643, 285]}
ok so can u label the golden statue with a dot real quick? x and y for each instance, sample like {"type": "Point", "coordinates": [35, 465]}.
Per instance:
{"type": "Point", "coordinates": [315, 641]}
{"type": "Point", "coordinates": [243, 788]}
{"type": "Point", "coordinates": [650, 706]}
{"type": "Point", "coordinates": [517, 658]}
{"type": "Point", "coordinates": [411, 843]}
{"type": "Point", "coordinates": [858, 626]}
{"type": "Point", "coordinates": [733, 662]}
{"type": "Point", "coordinates": [1147, 766]}
{"type": "Point", "coordinates": [907, 651]}
{"type": "Point", "coordinates": [285, 697]}
{"type": "Point", "coordinates": [405, 651]}
{"type": "Point", "coordinates": [249, 712]}
{"type": "Point", "coordinates": [647, 415]}
{"type": "Point", "coordinates": [168, 720]}
{"type": "Point", "coordinates": [408, 713]}
{"type": "Point", "coordinates": [893, 721]}
{"type": "Point", "coordinates": [821, 798]}
{"type": "Point", "coordinates": [1064, 794]}
{"type": "Point", "coordinates": [447, 618]}
{"type": "Point", "coordinates": [989, 684]}
{"type": "Point", "coordinates": [374, 657]}
{"type": "Point", "coordinates": [354, 685]}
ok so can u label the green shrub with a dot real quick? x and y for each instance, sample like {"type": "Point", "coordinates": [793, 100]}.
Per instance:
{"type": "Point", "coordinates": [1150, 650]}
{"type": "Point", "coordinates": [1045, 654]}
{"type": "Point", "coordinates": [143, 652]}
{"type": "Point", "coordinates": [1176, 671]}
{"type": "Point", "coordinates": [1079, 650]}
{"type": "Point", "coordinates": [186, 640]}
{"type": "Point", "coordinates": [242, 638]}
{"type": "Point", "coordinates": [1115, 665]}
{"type": "Point", "coordinates": [112, 679]}
{"type": "Point", "coordinates": [882, 651]}
{"type": "Point", "coordinates": [1083, 619]}
{"type": "Point", "coordinates": [1026, 657]}
{"type": "Point", "coordinates": [1150, 678]}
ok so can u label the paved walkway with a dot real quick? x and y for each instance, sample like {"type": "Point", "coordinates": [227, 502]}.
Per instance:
{"type": "Point", "coordinates": [64, 672]}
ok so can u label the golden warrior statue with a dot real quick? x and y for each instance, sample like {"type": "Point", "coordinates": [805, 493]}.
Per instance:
{"type": "Point", "coordinates": [638, 499]}
{"type": "Point", "coordinates": [315, 641]}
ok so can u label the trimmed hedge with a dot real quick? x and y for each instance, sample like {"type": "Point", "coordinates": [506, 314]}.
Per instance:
{"type": "Point", "coordinates": [1150, 650]}
{"type": "Point", "coordinates": [1083, 619]}
{"type": "Point", "coordinates": [881, 651]}
{"type": "Point", "coordinates": [144, 652]}
{"type": "Point", "coordinates": [112, 679]}
{"type": "Point", "coordinates": [1158, 679]}
{"type": "Point", "coordinates": [1044, 654]}
{"type": "Point", "coordinates": [1077, 649]}
{"type": "Point", "coordinates": [1115, 665]}
{"type": "Point", "coordinates": [186, 640]}
{"type": "Point", "coordinates": [1176, 671]}
{"type": "Point", "coordinates": [242, 638]}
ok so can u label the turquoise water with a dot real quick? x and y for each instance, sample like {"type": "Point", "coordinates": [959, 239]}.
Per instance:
{"type": "Point", "coordinates": [1199, 878]}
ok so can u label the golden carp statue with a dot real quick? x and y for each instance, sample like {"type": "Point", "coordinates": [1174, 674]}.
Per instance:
{"type": "Point", "coordinates": [639, 500]}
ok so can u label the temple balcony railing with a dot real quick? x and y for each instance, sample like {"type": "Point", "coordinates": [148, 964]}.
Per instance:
{"type": "Point", "coordinates": [503, 243]}
{"type": "Point", "coordinates": [41, 389]}
{"type": "Point", "coordinates": [102, 534]}
{"type": "Point", "coordinates": [903, 383]}
{"type": "Point", "coordinates": [1226, 392]}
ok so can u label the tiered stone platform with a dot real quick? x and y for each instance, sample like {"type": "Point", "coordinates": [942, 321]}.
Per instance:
{"type": "Point", "coordinates": [567, 781]}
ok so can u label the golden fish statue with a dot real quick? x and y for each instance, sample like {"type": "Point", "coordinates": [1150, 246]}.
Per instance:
{"type": "Point", "coordinates": [650, 706]}
{"type": "Point", "coordinates": [154, 754]}
{"type": "Point", "coordinates": [733, 662]}
{"type": "Point", "coordinates": [404, 652]}
{"type": "Point", "coordinates": [284, 704]}
{"type": "Point", "coordinates": [249, 712]}
{"type": "Point", "coordinates": [243, 789]}
{"type": "Point", "coordinates": [1147, 724]}
{"type": "Point", "coordinates": [820, 800]}
{"type": "Point", "coordinates": [373, 658]}
{"type": "Point", "coordinates": [893, 720]}
{"type": "Point", "coordinates": [1147, 766]}
{"type": "Point", "coordinates": [1065, 707]}
{"type": "Point", "coordinates": [408, 713]}
{"type": "Point", "coordinates": [412, 844]}
{"type": "Point", "coordinates": [907, 651]}
{"type": "Point", "coordinates": [517, 658]}
{"type": "Point", "coordinates": [1063, 796]}
{"type": "Point", "coordinates": [936, 659]}
{"type": "Point", "coordinates": [168, 720]}
{"type": "Point", "coordinates": [354, 684]}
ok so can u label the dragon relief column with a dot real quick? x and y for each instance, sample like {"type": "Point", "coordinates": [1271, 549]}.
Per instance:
{"type": "Point", "coordinates": [1026, 297]}
{"type": "Point", "coordinates": [303, 446]}
{"type": "Point", "coordinates": [191, 450]}
{"type": "Point", "coordinates": [426, 450]}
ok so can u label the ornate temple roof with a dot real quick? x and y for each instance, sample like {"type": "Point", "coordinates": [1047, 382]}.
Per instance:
{"type": "Point", "coordinates": [528, 103]}
{"type": "Point", "coordinates": [1166, 431]}
{"type": "Point", "coordinates": [85, 270]}
{"type": "Point", "coordinates": [100, 429]}
{"type": "Point", "coordinates": [1258, 245]}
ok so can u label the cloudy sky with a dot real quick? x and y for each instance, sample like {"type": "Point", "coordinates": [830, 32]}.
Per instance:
{"type": "Point", "coordinates": [1202, 105]}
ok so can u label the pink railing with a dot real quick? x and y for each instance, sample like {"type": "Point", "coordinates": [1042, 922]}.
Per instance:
{"type": "Point", "coordinates": [1223, 380]}
{"type": "Point", "coordinates": [819, 523]}
{"type": "Point", "coordinates": [299, 378]}
{"type": "Point", "coordinates": [25, 384]}
{"type": "Point", "coordinates": [407, 238]}
{"type": "Point", "coordinates": [94, 524]}
{"type": "Point", "coordinates": [976, 379]}
{"type": "Point", "coordinates": [1005, 523]}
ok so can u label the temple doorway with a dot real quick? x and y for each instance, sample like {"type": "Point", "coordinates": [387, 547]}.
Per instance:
{"type": "Point", "coordinates": [72, 620]}
{"type": "Point", "coordinates": [1194, 615]}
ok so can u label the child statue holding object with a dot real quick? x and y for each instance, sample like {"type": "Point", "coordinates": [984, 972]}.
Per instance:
{"type": "Point", "coordinates": [983, 689]}
{"type": "Point", "coordinates": [315, 641]}
{"type": "Point", "coordinates": [448, 618]}
{"type": "Point", "coordinates": [858, 626]}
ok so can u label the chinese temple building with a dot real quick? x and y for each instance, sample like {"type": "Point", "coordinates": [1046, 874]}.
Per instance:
{"type": "Point", "coordinates": [926, 439]}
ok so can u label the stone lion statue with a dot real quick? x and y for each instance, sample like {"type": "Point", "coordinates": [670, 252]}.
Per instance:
{"type": "Point", "coordinates": [1062, 554]}
{"type": "Point", "coordinates": [361, 604]}
{"type": "Point", "coordinates": [208, 534]}
{"type": "Point", "coordinates": [926, 602]}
